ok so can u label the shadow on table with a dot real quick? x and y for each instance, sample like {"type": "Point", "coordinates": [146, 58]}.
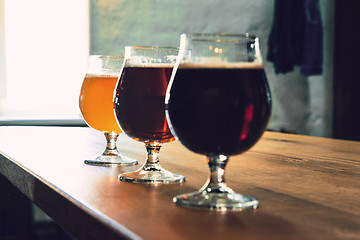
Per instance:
{"type": "Point", "coordinates": [20, 219]}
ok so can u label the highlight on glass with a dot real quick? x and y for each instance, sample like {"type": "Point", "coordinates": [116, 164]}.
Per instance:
{"type": "Point", "coordinates": [218, 104]}
{"type": "Point", "coordinates": [139, 103]}
{"type": "Point", "coordinates": [96, 105]}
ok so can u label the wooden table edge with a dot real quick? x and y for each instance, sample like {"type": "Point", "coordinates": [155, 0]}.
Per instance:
{"type": "Point", "coordinates": [98, 225]}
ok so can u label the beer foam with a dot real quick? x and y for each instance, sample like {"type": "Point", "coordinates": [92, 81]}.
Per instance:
{"type": "Point", "coordinates": [149, 62]}
{"type": "Point", "coordinates": [149, 65]}
{"type": "Point", "coordinates": [227, 65]}
{"type": "Point", "coordinates": [101, 75]}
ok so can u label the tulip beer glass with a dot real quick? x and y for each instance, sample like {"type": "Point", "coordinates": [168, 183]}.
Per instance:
{"type": "Point", "coordinates": [96, 105]}
{"type": "Point", "coordinates": [139, 102]}
{"type": "Point", "coordinates": [218, 104]}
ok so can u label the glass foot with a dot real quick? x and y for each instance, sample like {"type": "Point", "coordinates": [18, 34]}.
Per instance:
{"type": "Point", "coordinates": [151, 174]}
{"type": "Point", "coordinates": [111, 155]}
{"type": "Point", "coordinates": [216, 201]}
{"type": "Point", "coordinates": [112, 159]}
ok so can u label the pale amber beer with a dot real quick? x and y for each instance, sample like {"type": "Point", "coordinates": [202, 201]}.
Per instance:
{"type": "Point", "coordinates": [96, 106]}
{"type": "Point", "coordinates": [96, 102]}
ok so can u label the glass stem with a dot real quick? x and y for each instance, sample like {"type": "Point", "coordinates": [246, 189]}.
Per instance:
{"type": "Point", "coordinates": [216, 182]}
{"type": "Point", "coordinates": [152, 161]}
{"type": "Point", "coordinates": [111, 148]}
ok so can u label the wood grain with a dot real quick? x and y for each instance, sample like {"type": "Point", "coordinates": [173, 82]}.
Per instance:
{"type": "Point", "coordinates": [308, 187]}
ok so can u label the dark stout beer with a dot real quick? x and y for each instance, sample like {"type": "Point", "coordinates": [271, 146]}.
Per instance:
{"type": "Point", "coordinates": [219, 109]}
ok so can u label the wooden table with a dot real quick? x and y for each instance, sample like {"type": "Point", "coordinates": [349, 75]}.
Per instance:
{"type": "Point", "coordinates": [308, 187]}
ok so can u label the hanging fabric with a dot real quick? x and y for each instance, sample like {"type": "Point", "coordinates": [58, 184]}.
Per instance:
{"type": "Point", "coordinates": [296, 37]}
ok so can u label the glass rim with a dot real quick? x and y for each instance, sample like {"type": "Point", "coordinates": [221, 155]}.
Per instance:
{"type": "Point", "coordinates": [226, 37]}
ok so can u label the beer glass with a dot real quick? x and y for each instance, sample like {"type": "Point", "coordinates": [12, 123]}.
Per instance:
{"type": "Point", "coordinates": [218, 104]}
{"type": "Point", "coordinates": [139, 102]}
{"type": "Point", "coordinates": [96, 105]}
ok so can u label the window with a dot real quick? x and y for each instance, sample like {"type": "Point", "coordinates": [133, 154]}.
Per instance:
{"type": "Point", "coordinates": [44, 46]}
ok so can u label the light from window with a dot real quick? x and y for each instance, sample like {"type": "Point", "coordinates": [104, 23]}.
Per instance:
{"type": "Point", "coordinates": [46, 51]}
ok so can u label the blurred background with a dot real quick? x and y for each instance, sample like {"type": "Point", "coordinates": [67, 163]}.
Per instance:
{"type": "Point", "coordinates": [302, 105]}
{"type": "Point", "coordinates": [44, 45]}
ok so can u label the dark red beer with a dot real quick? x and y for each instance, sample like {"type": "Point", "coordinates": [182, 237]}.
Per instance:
{"type": "Point", "coordinates": [140, 102]}
{"type": "Point", "coordinates": [219, 109]}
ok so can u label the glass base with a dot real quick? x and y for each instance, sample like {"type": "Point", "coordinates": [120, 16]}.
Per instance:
{"type": "Point", "coordinates": [112, 159]}
{"type": "Point", "coordinates": [151, 175]}
{"type": "Point", "coordinates": [216, 201]}
{"type": "Point", "coordinates": [111, 155]}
